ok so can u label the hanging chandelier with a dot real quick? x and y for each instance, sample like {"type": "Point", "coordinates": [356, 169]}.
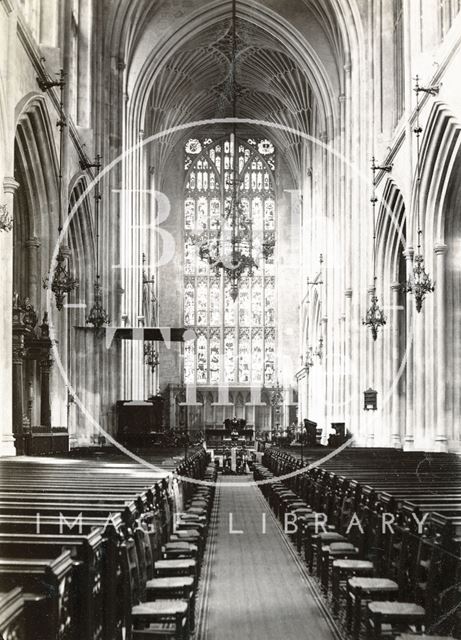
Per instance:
{"type": "Point", "coordinates": [277, 397]}
{"type": "Point", "coordinates": [419, 282]}
{"type": "Point", "coordinates": [375, 318]}
{"type": "Point", "coordinates": [308, 359]}
{"type": "Point", "coordinates": [230, 249]}
{"type": "Point", "coordinates": [319, 350]}
{"type": "Point", "coordinates": [309, 362]}
{"type": "Point", "coordinates": [98, 316]}
{"type": "Point", "coordinates": [151, 357]}
{"type": "Point", "coordinates": [62, 281]}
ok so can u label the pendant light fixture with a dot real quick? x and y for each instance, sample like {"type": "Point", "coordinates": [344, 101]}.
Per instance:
{"type": "Point", "coordinates": [149, 301]}
{"type": "Point", "coordinates": [319, 349]}
{"type": "Point", "coordinates": [277, 397]}
{"type": "Point", "coordinates": [62, 281]}
{"type": "Point", "coordinates": [98, 315]}
{"type": "Point", "coordinates": [230, 249]}
{"type": "Point", "coordinates": [375, 318]}
{"type": "Point", "coordinates": [419, 282]}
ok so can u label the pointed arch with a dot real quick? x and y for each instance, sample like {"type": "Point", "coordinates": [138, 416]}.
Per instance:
{"type": "Point", "coordinates": [390, 232]}
{"type": "Point", "coordinates": [82, 240]}
{"type": "Point", "coordinates": [36, 200]}
{"type": "Point", "coordinates": [440, 148]}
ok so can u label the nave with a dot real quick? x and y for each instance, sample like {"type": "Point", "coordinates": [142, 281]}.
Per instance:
{"type": "Point", "coordinates": [90, 549]}
{"type": "Point", "coordinates": [357, 546]}
{"type": "Point", "coordinates": [230, 241]}
{"type": "Point", "coordinates": [257, 586]}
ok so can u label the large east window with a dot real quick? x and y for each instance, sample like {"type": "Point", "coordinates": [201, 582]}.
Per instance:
{"type": "Point", "coordinates": [235, 340]}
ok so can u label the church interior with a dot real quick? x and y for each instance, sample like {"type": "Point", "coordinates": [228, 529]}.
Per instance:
{"type": "Point", "coordinates": [230, 335]}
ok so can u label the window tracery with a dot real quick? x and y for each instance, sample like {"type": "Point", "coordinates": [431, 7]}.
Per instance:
{"type": "Point", "coordinates": [235, 340]}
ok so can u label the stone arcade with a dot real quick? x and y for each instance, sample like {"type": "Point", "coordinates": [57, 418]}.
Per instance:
{"type": "Point", "coordinates": [230, 250]}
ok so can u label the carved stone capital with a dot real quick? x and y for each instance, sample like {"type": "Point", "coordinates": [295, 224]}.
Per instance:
{"type": "Point", "coordinates": [46, 364]}
{"type": "Point", "coordinates": [440, 247]}
{"type": "Point", "coordinates": [10, 185]}
{"type": "Point", "coordinates": [409, 253]}
{"type": "Point", "coordinates": [65, 250]}
{"type": "Point", "coordinates": [33, 242]}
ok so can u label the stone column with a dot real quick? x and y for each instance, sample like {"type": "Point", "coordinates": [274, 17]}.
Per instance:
{"type": "Point", "coordinates": [303, 380]}
{"type": "Point", "coordinates": [298, 385]}
{"type": "Point", "coordinates": [18, 391]}
{"type": "Point", "coordinates": [409, 397]}
{"type": "Point", "coordinates": [6, 333]}
{"type": "Point", "coordinates": [348, 360]}
{"type": "Point", "coordinates": [441, 438]}
{"type": "Point", "coordinates": [397, 414]}
{"type": "Point", "coordinates": [420, 365]}
{"type": "Point", "coordinates": [45, 400]}
{"type": "Point", "coordinates": [84, 63]}
{"type": "Point", "coordinates": [372, 377]}
{"type": "Point", "coordinates": [328, 379]}
{"type": "Point", "coordinates": [32, 246]}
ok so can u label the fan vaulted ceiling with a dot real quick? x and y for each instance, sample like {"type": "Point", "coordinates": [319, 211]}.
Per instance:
{"type": "Point", "coordinates": [195, 84]}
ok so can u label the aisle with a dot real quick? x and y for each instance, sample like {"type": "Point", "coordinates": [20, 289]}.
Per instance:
{"type": "Point", "coordinates": [254, 587]}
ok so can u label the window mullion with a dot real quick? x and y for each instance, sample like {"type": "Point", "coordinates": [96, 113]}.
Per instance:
{"type": "Point", "coordinates": [195, 297]}
{"type": "Point", "coordinates": [222, 373]}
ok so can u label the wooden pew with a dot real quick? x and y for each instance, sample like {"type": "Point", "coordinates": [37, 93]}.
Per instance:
{"type": "Point", "coordinates": [374, 484]}
{"type": "Point", "coordinates": [12, 622]}
{"type": "Point", "coordinates": [113, 502]}
{"type": "Point", "coordinates": [49, 594]}
{"type": "Point", "coordinates": [89, 578]}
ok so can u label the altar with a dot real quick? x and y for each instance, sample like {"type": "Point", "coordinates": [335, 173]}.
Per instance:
{"type": "Point", "coordinates": [233, 430]}
{"type": "Point", "coordinates": [231, 445]}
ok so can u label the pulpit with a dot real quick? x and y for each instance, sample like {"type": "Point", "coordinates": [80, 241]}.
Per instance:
{"type": "Point", "coordinates": [32, 343]}
{"type": "Point", "coordinates": [311, 433]}
{"type": "Point", "coordinates": [140, 423]}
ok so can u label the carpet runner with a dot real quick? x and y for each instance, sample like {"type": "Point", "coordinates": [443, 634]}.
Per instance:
{"type": "Point", "coordinates": [255, 586]}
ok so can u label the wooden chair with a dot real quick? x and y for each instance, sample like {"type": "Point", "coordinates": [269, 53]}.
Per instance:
{"type": "Point", "coordinates": [174, 550]}
{"type": "Point", "coordinates": [359, 592]}
{"type": "Point", "coordinates": [154, 619]}
{"type": "Point", "coordinates": [315, 541]}
{"type": "Point", "coordinates": [174, 568]}
{"type": "Point", "coordinates": [393, 614]}
{"type": "Point", "coordinates": [420, 582]}
{"type": "Point", "coordinates": [174, 588]}
{"type": "Point", "coordinates": [342, 570]}
{"type": "Point", "coordinates": [331, 552]}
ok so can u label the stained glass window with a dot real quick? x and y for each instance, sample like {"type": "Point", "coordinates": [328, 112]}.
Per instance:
{"type": "Point", "coordinates": [235, 340]}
